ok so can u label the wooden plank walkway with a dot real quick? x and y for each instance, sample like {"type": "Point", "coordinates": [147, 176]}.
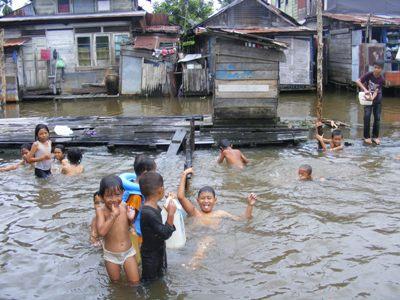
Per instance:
{"type": "Point", "coordinates": [145, 132]}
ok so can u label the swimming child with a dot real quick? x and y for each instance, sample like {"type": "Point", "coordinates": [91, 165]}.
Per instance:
{"type": "Point", "coordinates": [305, 172]}
{"type": "Point", "coordinates": [112, 223]}
{"type": "Point", "coordinates": [94, 235]}
{"type": "Point", "coordinates": [206, 215]}
{"type": "Point", "coordinates": [40, 153]}
{"type": "Point", "coordinates": [25, 148]}
{"type": "Point", "coordinates": [233, 157]}
{"type": "Point", "coordinates": [335, 142]}
{"type": "Point", "coordinates": [73, 167]}
{"type": "Point", "coordinates": [206, 200]}
{"type": "Point", "coordinates": [59, 153]}
{"type": "Point", "coordinates": [155, 233]}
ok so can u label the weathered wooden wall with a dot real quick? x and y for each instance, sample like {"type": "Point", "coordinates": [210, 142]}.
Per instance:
{"type": "Point", "coordinates": [246, 14]}
{"type": "Point", "coordinates": [195, 82]}
{"type": "Point", "coordinates": [246, 83]}
{"type": "Point", "coordinates": [340, 56]}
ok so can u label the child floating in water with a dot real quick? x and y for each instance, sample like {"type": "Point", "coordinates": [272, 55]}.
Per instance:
{"type": "Point", "coordinates": [94, 235]}
{"type": "Point", "coordinates": [112, 223]}
{"type": "Point", "coordinates": [305, 172]}
{"type": "Point", "coordinates": [25, 148]}
{"type": "Point", "coordinates": [233, 157]}
{"type": "Point", "coordinates": [155, 233]}
{"type": "Point", "coordinates": [335, 142]}
{"type": "Point", "coordinates": [206, 215]}
{"type": "Point", "coordinates": [73, 167]}
{"type": "Point", "coordinates": [40, 153]}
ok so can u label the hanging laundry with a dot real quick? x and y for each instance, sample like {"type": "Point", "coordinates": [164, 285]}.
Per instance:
{"type": "Point", "coordinates": [45, 54]}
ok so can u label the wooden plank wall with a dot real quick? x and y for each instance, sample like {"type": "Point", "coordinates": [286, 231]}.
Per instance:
{"type": "Point", "coordinates": [246, 83]}
{"type": "Point", "coordinates": [340, 56]}
{"type": "Point", "coordinates": [195, 82]}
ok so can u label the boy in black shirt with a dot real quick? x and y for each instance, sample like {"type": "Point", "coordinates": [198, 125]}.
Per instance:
{"type": "Point", "coordinates": [154, 232]}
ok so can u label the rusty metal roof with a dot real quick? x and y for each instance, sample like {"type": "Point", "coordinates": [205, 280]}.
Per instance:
{"type": "Point", "coordinates": [255, 30]}
{"type": "Point", "coordinates": [15, 42]}
{"type": "Point", "coordinates": [362, 19]}
{"type": "Point", "coordinates": [162, 29]}
{"type": "Point", "coordinates": [152, 42]}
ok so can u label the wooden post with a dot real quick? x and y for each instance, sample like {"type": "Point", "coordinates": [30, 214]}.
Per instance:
{"type": "Point", "coordinates": [320, 56]}
{"type": "Point", "coordinates": [2, 69]}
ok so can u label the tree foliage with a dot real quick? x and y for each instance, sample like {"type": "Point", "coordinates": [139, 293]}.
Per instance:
{"type": "Point", "coordinates": [5, 7]}
{"type": "Point", "coordinates": [185, 13]}
{"type": "Point", "coordinates": [225, 2]}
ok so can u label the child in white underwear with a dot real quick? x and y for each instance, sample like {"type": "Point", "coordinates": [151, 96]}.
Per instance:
{"type": "Point", "coordinates": [112, 222]}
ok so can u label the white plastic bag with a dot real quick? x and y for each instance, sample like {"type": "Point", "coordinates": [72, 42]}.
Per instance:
{"type": "Point", "coordinates": [178, 238]}
{"type": "Point", "coordinates": [62, 130]}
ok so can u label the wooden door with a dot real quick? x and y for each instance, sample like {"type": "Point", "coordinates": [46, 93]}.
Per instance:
{"type": "Point", "coordinates": [36, 73]}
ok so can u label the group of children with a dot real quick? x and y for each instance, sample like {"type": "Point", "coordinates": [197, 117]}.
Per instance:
{"type": "Point", "coordinates": [45, 159]}
{"type": "Point", "coordinates": [116, 219]}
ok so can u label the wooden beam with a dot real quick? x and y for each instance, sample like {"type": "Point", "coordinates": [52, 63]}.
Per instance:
{"type": "Point", "coordinates": [319, 60]}
{"type": "Point", "coordinates": [2, 69]}
{"type": "Point", "coordinates": [176, 141]}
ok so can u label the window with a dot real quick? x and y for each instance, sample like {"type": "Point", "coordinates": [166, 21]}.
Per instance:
{"type": "Point", "coordinates": [63, 6]}
{"type": "Point", "coordinates": [166, 45]}
{"type": "Point", "coordinates": [84, 51]}
{"type": "Point", "coordinates": [103, 5]}
{"type": "Point", "coordinates": [120, 39]}
{"type": "Point", "coordinates": [278, 3]}
{"type": "Point", "coordinates": [102, 50]}
{"type": "Point", "coordinates": [83, 6]}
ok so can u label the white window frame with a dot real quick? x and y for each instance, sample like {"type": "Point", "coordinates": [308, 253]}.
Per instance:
{"type": "Point", "coordinates": [113, 45]}
{"type": "Point", "coordinates": [90, 36]}
{"type": "Point", "coordinates": [94, 44]}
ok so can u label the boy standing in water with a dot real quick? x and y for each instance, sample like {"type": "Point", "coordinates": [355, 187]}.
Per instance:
{"type": "Point", "coordinates": [112, 222]}
{"type": "Point", "coordinates": [154, 232]}
{"type": "Point", "coordinates": [25, 148]}
{"type": "Point", "coordinates": [233, 157]}
{"type": "Point", "coordinates": [335, 142]}
{"type": "Point", "coordinates": [371, 83]}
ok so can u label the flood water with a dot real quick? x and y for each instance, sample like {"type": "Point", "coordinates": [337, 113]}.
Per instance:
{"type": "Point", "coordinates": [332, 239]}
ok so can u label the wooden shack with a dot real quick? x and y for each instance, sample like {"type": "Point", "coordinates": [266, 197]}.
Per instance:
{"type": "Point", "coordinates": [258, 17]}
{"type": "Point", "coordinates": [246, 85]}
{"type": "Point", "coordinates": [356, 41]}
{"type": "Point", "coordinates": [195, 78]}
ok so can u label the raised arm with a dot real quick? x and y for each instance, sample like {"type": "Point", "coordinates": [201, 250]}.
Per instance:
{"type": "Point", "coordinates": [104, 224]}
{"type": "Point", "coordinates": [251, 200]}
{"type": "Point", "coordinates": [221, 156]}
{"type": "Point", "coordinates": [186, 203]}
{"type": "Point", "coordinates": [320, 139]}
{"type": "Point", "coordinates": [244, 158]}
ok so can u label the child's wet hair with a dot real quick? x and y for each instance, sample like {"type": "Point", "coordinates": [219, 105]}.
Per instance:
{"type": "Point", "coordinates": [110, 183]}
{"type": "Point", "coordinates": [306, 168]}
{"type": "Point", "coordinates": [74, 156]}
{"type": "Point", "coordinates": [379, 63]}
{"type": "Point", "coordinates": [61, 147]}
{"type": "Point", "coordinates": [26, 146]}
{"type": "Point", "coordinates": [224, 144]}
{"type": "Point", "coordinates": [206, 189]}
{"type": "Point", "coordinates": [144, 164]}
{"type": "Point", "coordinates": [337, 132]}
{"type": "Point", "coordinates": [149, 182]}
{"type": "Point", "coordinates": [38, 128]}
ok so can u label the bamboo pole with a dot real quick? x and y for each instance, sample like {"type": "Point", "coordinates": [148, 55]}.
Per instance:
{"type": "Point", "coordinates": [2, 69]}
{"type": "Point", "coordinates": [319, 60]}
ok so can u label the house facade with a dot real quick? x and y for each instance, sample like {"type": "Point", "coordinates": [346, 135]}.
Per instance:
{"type": "Point", "coordinates": [85, 34]}
{"type": "Point", "coordinates": [259, 18]}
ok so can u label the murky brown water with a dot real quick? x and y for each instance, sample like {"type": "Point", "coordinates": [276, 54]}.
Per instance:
{"type": "Point", "coordinates": [336, 239]}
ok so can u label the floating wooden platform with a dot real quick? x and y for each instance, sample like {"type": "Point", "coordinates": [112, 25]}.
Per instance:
{"type": "Point", "coordinates": [146, 132]}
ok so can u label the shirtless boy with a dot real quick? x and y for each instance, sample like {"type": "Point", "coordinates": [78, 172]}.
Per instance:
{"type": "Point", "coordinates": [113, 221]}
{"type": "Point", "coordinates": [232, 156]}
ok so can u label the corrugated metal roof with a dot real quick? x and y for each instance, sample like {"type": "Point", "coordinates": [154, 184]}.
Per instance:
{"type": "Point", "coordinates": [162, 28]}
{"type": "Point", "coordinates": [272, 29]}
{"type": "Point", "coordinates": [190, 57]}
{"type": "Point", "coordinates": [63, 18]}
{"type": "Point", "coordinates": [15, 42]}
{"type": "Point", "coordinates": [362, 19]}
{"type": "Point", "coordinates": [234, 34]}
{"type": "Point", "coordinates": [152, 42]}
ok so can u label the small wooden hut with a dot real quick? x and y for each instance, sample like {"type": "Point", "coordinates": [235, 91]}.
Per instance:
{"type": "Point", "coordinates": [246, 84]}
